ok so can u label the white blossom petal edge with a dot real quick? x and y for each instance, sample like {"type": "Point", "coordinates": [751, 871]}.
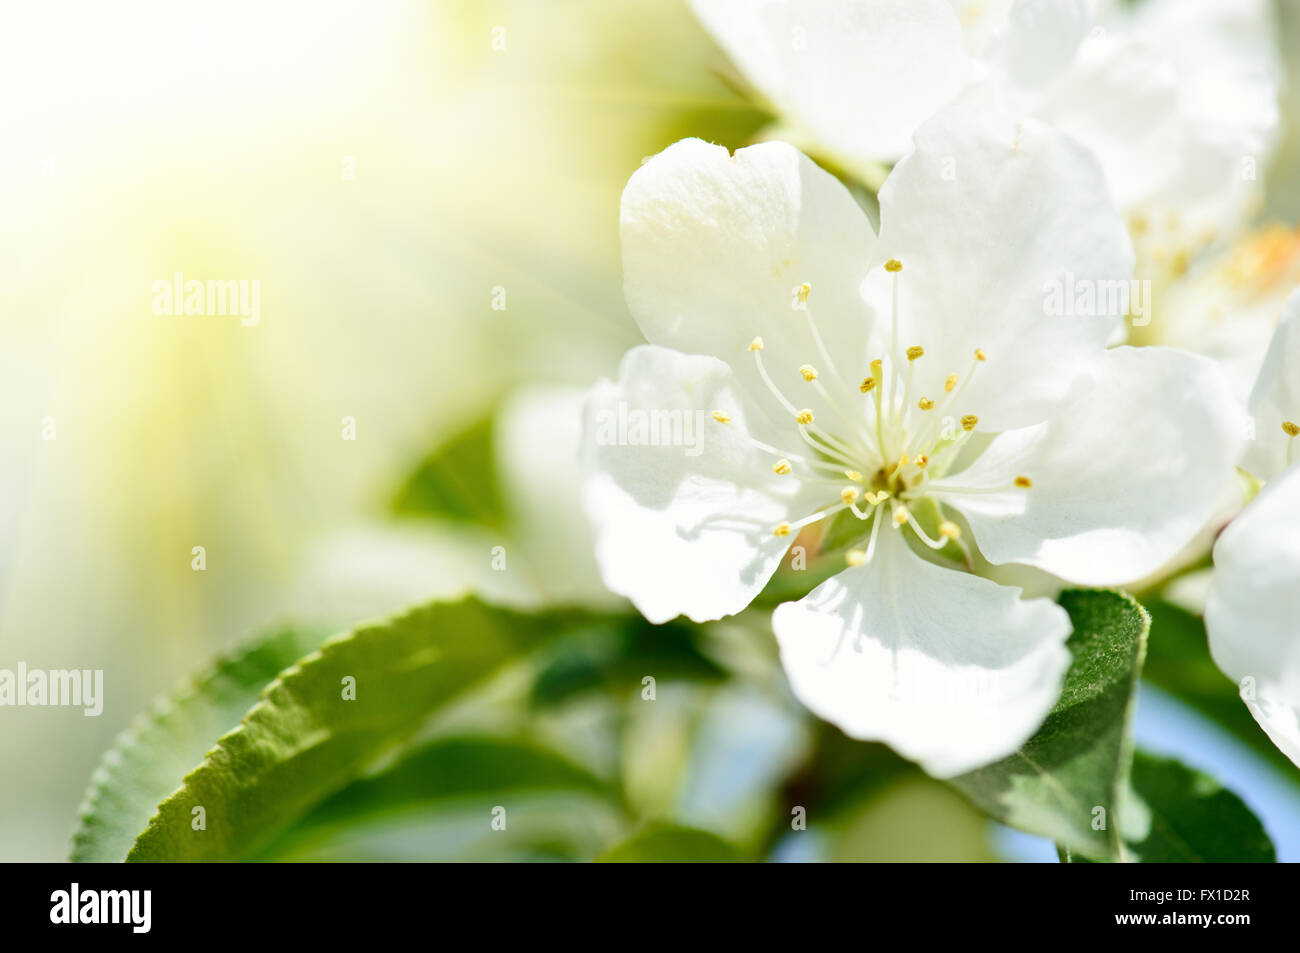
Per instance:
{"type": "Point", "coordinates": [1172, 96]}
{"type": "Point", "coordinates": [1253, 606]}
{"type": "Point", "coordinates": [1275, 400]}
{"type": "Point", "coordinates": [801, 367]}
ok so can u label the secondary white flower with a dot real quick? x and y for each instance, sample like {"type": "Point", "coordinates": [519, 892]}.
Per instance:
{"type": "Point", "coordinates": [537, 448]}
{"type": "Point", "coordinates": [1177, 98]}
{"type": "Point", "coordinates": [913, 380]}
{"type": "Point", "coordinates": [1253, 605]}
{"type": "Point", "coordinates": [1228, 305]}
{"type": "Point", "coordinates": [1275, 400]}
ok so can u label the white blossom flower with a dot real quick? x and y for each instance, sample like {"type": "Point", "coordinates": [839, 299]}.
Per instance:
{"type": "Point", "coordinates": [1177, 98]}
{"type": "Point", "coordinates": [1253, 606]}
{"type": "Point", "coordinates": [1275, 400]}
{"type": "Point", "coordinates": [1228, 305]}
{"type": "Point", "coordinates": [910, 379]}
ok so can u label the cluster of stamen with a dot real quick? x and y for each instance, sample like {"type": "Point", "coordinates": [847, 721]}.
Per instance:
{"type": "Point", "coordinates": [887, 456]}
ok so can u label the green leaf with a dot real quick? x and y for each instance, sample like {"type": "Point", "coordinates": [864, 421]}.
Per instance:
{"type": "Point", "coordinates": [304, 740]}
{"type": "Point", "coordinates": [545, 826]}
{"type": "Point", "coordinates": [585, 664]}
{"type": "Point", "coordinates": [660, 843]}
{"type": "Point", "coordinates": [148, 759]}
{"type": "Point", "coordinates": [1076, 766]}
{"type": "Point", "coordinates": [438, 778]}
{"type": "Point", "coordinates": [1179, 662]}
{"type": "Point", "coordinates": [457, 481]}
{"type": "Point", "coordinates": [1178, 815]}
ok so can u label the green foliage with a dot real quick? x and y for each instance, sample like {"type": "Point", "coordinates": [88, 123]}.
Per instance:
{"type": "Point", "coordinates": [660, 843]}
{"type": "Point", "coordinates": [1178, 815]}
{"type": "Point", "coordinates": [305, 740]}
{"type": "Point", "coordinates": [458, 481]}
{"type": "Point", "coordinates": [599, 660]}
{"type": "Point", "coordinates": [148, 760]}
{"type": "Point", "coordinates": [313, 773]}
{"type": "Point", "coordinates": [450, 778]}
{"type": "Point", "coordinates": [1076, 766]}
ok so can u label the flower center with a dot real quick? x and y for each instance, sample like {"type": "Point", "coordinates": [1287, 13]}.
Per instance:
{"type": "Point", "coordinates": [885, 441]}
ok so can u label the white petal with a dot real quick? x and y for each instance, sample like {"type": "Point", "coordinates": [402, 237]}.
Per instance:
{"type": "Point", "coordinates": [951, 670]}
{"type": "Point", "coordinates": [1172, 96]}
{"type": "Point", "coordinates": [537, 445]}
{"type": "Point", "coordinates": [684, 507]}
{"type": "Point", "coordinates": [715, 245]}
{"type": "Point", "coordinates": [1225, 55]}
{"type": "Point", "coordinates": [1123, 476]}
{"type": "Point", "coordinates": [857, 75]}
{"type": "Point", "coordinates": [1276, 707]}
{"type": "Point", "coordinates": [997, 221]}
{"type": "Point", "coordinates": [1275, 399]}
{"type": "Point", "coordinates": [1228, 305]}
{"type": "Point", "coordinates": [1039, 39]}
{"type": "Point", "coordinates": [1253, 605]}
{"type": "Point", "coordinates": [1120, 98]}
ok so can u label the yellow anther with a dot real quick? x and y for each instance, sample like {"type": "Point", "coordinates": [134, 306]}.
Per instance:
{"type": "Point", "coordinates": [867, 384]}
{"type": "Point", "coordinates": [1290, 429]}
{"type": "Point", "coordinates": [925, 403]}
{"type": "Point", "coordinates": [900, 516]}
{"type": "Point", "coordinates": [914, 352]}
{"type": "Point", "coordinates": [782, 529]}
{"type": "Point", "coordinates": [876, 498]}
{"type": "Point", "coordinates": [720, 417]}
{"type": "Point", "coordinates": [969, 421]}
{"type": "Point", "coordinates": [902, 461]}
{"type": "Point", "coordinates": [808, 372]}
{"type": "Point", "coordinates": [922, 460]}
{"type": "Point", "coordinates": [893, 265]}
{"type": "Point", "coordinates": [949, 530]}
{"type": "Point", "coordinates": [782, 467]}
{"type": "Point", "coordinates": [980, 355]}
{"type": "Point", "coordinates": [804, 291]}
{"type": "Point", "coordinates": [849, 495]}
{"type": "Point", "coordinates": [756, 344]}
{"type": "Point", "coordinates": [1023, 482]}
{"type": "Point", "coordinates": [876, 366]}
{"type": "Point", "coordinates": [853, 475]}
{"type": "Point", "coordinates": [950, 383]}
{"type": "Point", "coordinates": [804, 417]}
{"type": "Point", "coordinates": [855, 557]}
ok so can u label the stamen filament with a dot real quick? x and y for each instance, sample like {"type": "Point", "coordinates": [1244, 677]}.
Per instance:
{"type": "Point", "coordinates": [831, 440]}
{"type": "Point", "coordinates": [856, 422]}
{"type": "Point", "coordinates": [814, 517]}
{"type": "Point", "coordinates": [793, 457]}
{"type": "Point", "coordinates": [976, 490]}
{"type": "Point", "coordinates": [822, 350]}
{"type": "Point", "coordinates": [836, 456]}
{"type": "Point", "coordinates": [875, 531]}
{"type": "Point", "coordinates": [935, 544]}
{"type": "Point", "coordinates": [776, 391]}
{"type": "Point", "coordinates": [939, 461]}
{"type": "Point", "coordinates": [952, 394]}
{"type": "Point", "coordinates": [952, 533]}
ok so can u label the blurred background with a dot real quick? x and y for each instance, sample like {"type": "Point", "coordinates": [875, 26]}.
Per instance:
{"type": "Point", "coordinates": [427, 193]}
